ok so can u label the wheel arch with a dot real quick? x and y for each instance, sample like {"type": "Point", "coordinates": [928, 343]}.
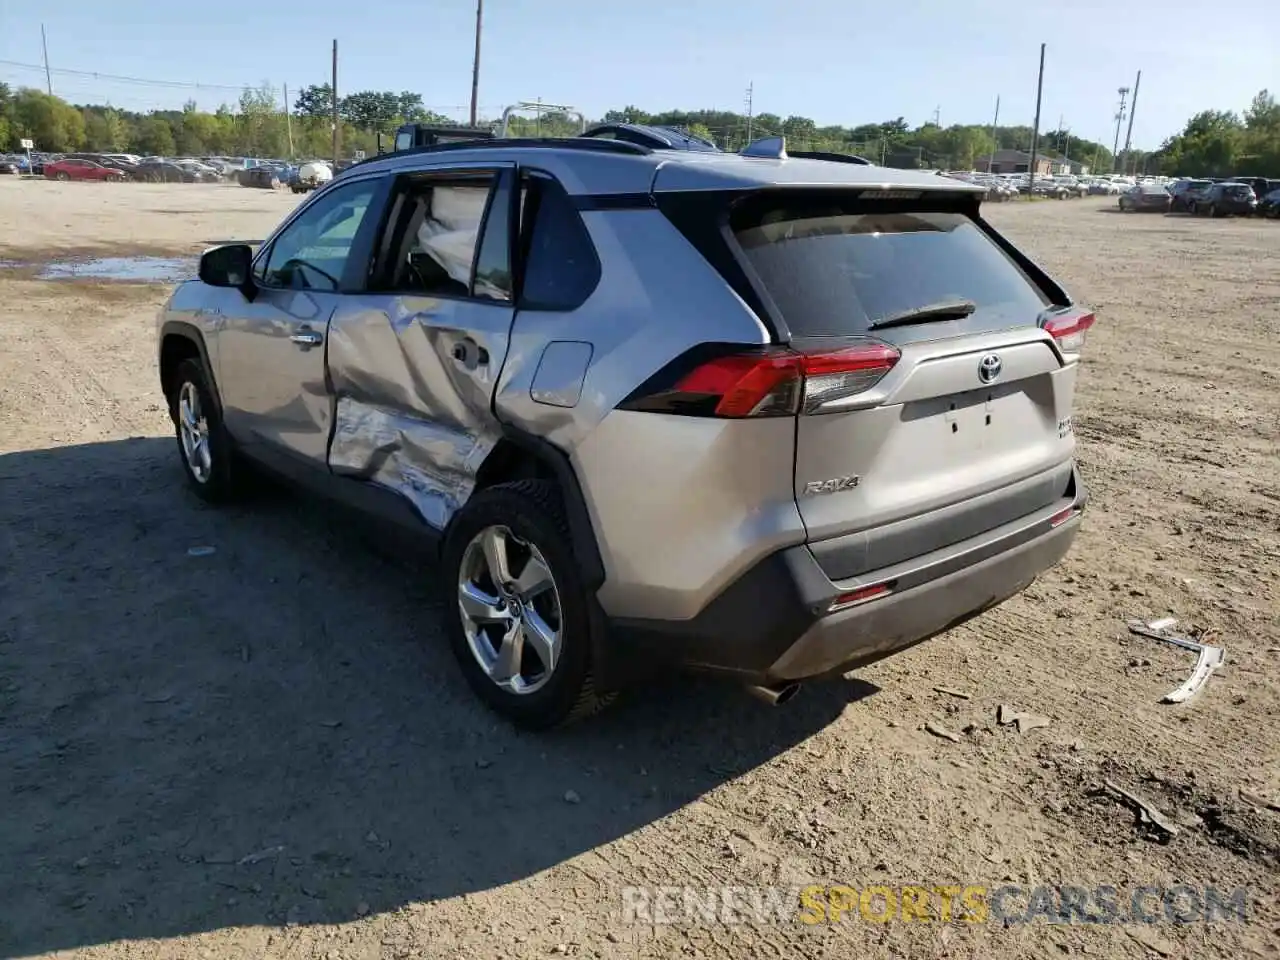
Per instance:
{"type": "Point", "coordinates": [519, 455]}
{"type": "Point", "coordinates": [181, 341]}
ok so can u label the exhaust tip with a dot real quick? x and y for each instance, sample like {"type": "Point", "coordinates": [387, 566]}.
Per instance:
{"type": "Point", "coordinates": [775, 696]}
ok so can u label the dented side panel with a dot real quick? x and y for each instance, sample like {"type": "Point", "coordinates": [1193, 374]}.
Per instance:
{"type": "Point", "coordinates": [413, 379]}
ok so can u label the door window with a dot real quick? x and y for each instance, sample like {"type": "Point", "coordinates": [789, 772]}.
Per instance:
{"type": "Point", "coordinates": [452, 238]}
{"type": "Point", "coordinates": [312, 251]}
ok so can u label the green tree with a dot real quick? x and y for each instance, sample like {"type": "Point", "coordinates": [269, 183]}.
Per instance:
{"type": "Point", "coordinates": [314, 101]}
{"type": "Point", "coordinates": [49, 121]}
{"type": "Point", "coordinates": [154, 137]}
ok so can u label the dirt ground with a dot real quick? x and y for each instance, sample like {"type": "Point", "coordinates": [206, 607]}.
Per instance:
{"type": "Point", "coordinates": [268, 752]}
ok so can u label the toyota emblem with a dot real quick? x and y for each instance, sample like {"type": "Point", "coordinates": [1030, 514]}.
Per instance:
{"type": "Point", "coordinates": [989, 367]}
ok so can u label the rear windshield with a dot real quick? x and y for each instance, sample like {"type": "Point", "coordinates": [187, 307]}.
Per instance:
{"type": "Point", "coordinates": [835, 273]}
{"type": "Point", "coordinates": [1238, 190]}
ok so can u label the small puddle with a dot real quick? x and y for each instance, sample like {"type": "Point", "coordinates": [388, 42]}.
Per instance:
{"type": "Point", "coordinates": [136, 269]}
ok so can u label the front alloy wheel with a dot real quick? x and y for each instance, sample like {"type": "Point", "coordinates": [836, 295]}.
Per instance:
{"type": "Point", "coordinates": [193, 432]}
{"type": "Point", "coordinates": [510, 610]}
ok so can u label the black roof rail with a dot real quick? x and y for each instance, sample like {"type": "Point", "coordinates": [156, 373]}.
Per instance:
{"type": "Point", "coordinates": [506, 143]}
{"type": "Point", "coordinates": [830, 157]}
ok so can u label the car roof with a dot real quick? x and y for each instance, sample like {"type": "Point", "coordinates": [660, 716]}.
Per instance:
{"type": "Point", "coordinates": [593, 166]}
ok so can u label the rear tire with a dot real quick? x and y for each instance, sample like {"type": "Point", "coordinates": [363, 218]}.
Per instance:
{"type": "Point", "coordinates": [1212, 211]}
{"type": "Point", "coordinates": [205, 449]}
{"type": "Point", "coordinates": [62, 177]}
{"type": "Point", "coordinates": [528, 519]}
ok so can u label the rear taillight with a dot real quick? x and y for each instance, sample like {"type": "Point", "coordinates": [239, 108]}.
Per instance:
{"type": "Point", "coordinates": [1070, 329]}
{"type": "Point", "coordinates": [769, 382]}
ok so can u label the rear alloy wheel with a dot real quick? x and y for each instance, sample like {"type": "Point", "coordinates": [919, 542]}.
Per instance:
{"type": "Point", "coordinates": [62, 175]}
{"type": "Point", "coordinates": [512, 620]}
{"type": "Point", "coordinates": [523, 631]}
{"type": "Point", "coordinates": [1212, 211]}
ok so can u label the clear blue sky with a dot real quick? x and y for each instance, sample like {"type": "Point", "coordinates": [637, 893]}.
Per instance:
{"type": "Point", "coordinates": [832, 60]}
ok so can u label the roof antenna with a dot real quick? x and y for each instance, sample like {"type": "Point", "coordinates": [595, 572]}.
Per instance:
{"type": "Point", "coordinates": [772, 148]}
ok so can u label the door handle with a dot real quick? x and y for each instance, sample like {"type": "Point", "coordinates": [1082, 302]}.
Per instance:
{"type": "Point", "coordinates": [470, 354]}
{"type": "Point", "coordinates": [307, 338]}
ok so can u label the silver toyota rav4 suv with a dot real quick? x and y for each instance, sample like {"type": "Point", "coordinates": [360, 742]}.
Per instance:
{"type": "Point", "coordinates": [770, 416]}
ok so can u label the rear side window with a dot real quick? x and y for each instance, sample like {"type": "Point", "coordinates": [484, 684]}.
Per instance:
{"type": "Point", "coordinates": [561, 268]}
{"type": "Point", "coordinates": [835, 269]}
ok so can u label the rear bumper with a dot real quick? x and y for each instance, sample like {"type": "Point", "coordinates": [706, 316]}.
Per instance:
{"type": "Point", "coordinates": [776, 623]}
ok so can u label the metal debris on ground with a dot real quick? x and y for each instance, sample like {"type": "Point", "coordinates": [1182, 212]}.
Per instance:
{"type": "Point", "coordinates": [1209, 658]}
{"type": "Point", "coordinates": [1006, 715]}
{"type": "Point", "coordinates": [201, 551]}
{"type": "Point", "coordinates": [1148, 812]}
{"type": "Point", "coordinates": [940, 731]}
{"type": "Point", "coordinates": [959, 695]}
{"type": "Point", "coordinates": [261, 855]}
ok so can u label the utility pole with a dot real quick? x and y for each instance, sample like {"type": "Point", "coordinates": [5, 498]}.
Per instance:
{"type": "Point", "coordinates": [288, 120]}
{"type": "Point", "coordinates": [751, 87]}
{"type": "Point", "coordinates": [475, 63]}
{"type": "Point", "coordinates": [1115, 147]}
{"type": "Point", "coordinates": [335, 103]}
{"type": "Point", "coordinates": [1035, 131]}
{"type": "Point", "coordinates": [995, 144]}
{"type": "Point", "coordinates": [1133, 108]}
{"type": "Point", "coordinates": [44, 45]}
{"type": "Point", "coordinates": [937, 115]}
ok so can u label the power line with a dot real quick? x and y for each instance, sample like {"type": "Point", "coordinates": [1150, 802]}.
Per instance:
{"type": "Point", "coordinates": [117, 78]}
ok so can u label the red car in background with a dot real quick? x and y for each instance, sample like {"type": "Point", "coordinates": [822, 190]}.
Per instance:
{"type": "Point", "coordinates": [80, 170]}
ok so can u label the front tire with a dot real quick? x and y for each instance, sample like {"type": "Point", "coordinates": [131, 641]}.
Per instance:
{"type": "Point", "coordinates": [204, 446]}
{"type": "Point", "coordinates": [521, 624]}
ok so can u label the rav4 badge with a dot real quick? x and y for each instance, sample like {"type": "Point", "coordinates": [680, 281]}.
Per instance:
{"type": "Point", "coordinates": [834, 485]}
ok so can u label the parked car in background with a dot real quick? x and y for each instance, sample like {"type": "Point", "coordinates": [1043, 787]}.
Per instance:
{"type": "Point", "coordinates": [114, 162]}
{"type": "Point", "coordinates": [76, 169]}
{"type": "Point", "coordinates": [1225, 199]}
{"type": "Point", "coordinates": [9, 167]}
{"type": "Point", "coordinates": [161, 171]}
{"type": "Point", "coordinates": [1146, 197]}
{"type": "Point", "coordinates": [1261, 185]}
{"type": "Point", "coordinates": [198, 172]}
{"type": "Point", "coordinates": [1269, 206]}
{"type": "Point", "coordinates": [267, 176]}
{"type": "Point", "coordinates": [1183, 192]}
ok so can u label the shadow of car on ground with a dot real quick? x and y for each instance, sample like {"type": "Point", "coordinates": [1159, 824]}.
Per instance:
{"type": "Point", "coordinates": [275, 731]}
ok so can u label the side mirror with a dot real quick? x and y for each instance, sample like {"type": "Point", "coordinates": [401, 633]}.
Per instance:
{"type": "Point", "coordinates": [229, 265]}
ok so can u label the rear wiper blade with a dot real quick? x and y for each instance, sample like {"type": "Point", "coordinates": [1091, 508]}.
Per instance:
{"type": "Point", "coordinates": [942, 310]}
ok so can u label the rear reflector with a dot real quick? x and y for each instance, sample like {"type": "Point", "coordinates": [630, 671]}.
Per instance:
{"type": "Point", "coordinates": [769, 382]}
{"type": "Point", "coordinates": [861, 595]}
{"type": "Point", "coordinates": [1062, 516]}
{"type": "Point", "coordinates": [1069, 329]}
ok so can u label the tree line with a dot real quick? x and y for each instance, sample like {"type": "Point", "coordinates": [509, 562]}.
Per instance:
{"type": "Point", "coordinates": [1214, 142]}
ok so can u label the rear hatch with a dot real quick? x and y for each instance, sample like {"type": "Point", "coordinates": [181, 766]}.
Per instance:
{"type": "Point", "coordinates": [937, 374]}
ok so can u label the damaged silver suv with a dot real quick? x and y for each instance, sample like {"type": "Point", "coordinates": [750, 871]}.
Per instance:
{"type": "Point", "coordinates": [771, 416]}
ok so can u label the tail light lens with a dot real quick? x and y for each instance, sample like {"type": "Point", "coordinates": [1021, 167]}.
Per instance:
{"type": "Point", "coordinates": [773, 382]}
{"type": "Point", "coordinates": [1070, 329]}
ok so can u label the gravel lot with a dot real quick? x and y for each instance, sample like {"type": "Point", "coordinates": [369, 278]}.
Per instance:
{"type": "Point", "coordinates": [268, 752]}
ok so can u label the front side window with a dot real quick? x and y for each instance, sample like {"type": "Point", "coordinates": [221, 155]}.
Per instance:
{"type": "Point", "coordinates": [312, 251]}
